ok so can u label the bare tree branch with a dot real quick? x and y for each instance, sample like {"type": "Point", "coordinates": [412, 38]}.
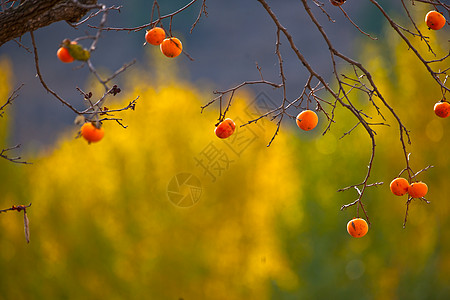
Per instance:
{"type": "Point", "coordinates": [10, 99]}
{"type": "Point", "coordinates": [16, 159]}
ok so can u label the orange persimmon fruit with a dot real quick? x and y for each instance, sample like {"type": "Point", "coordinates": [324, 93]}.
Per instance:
{"type": "Point", "coordinates": [155, 36]}
{"type": "Point", "coordinates": [417, 189]}
{"type": "Point", "coordinates": [225, 128]}
{"type": "Point", "coordinates": [434, 20]}
{"type": "Point", "coordinates": [442, 109]}
{"type": "Point", "coordinates": [399, 186]}
{"type": "Point", "coordinates": [357, 227]}
{"type": "Point", "coordinates": [307, 120]}
{"type": "Point", "coordinates": [64, 55]}
{"type": "Point", "coordinates": [337, 2]}
{"type": "Point", "coordinates": [91, 133]}
{"type": "Point", "coordinates": [171, 47]}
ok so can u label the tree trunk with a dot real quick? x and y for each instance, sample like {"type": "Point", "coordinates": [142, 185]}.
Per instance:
{"type": "Point", "coordinates": [34, 14]}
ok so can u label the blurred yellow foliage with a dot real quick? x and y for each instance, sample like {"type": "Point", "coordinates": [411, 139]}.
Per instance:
{"type": "Point", "coordinates": [103, 226]}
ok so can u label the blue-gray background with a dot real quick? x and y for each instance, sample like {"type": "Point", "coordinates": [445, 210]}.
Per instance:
{"type": "Point", "coordinates": [225, 45]}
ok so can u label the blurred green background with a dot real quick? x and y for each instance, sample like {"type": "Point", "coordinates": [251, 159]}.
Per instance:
{"type": "Point", "coordinates": [255, 223]}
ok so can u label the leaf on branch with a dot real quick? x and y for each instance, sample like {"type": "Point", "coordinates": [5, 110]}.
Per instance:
{"type": "Point", "coordinates": [76, 51]}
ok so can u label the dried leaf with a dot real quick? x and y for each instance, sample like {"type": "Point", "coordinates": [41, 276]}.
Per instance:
{"type": "Point", "coordinates": [26, 225]}
{"type": "Point", "coordinates": [80, 120]}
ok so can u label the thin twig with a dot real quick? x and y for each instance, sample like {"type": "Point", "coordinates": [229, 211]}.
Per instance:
{"type": "Point", "coordinates": [17, 159]}
{"type": "Point", "coordinates": [41, 79]}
